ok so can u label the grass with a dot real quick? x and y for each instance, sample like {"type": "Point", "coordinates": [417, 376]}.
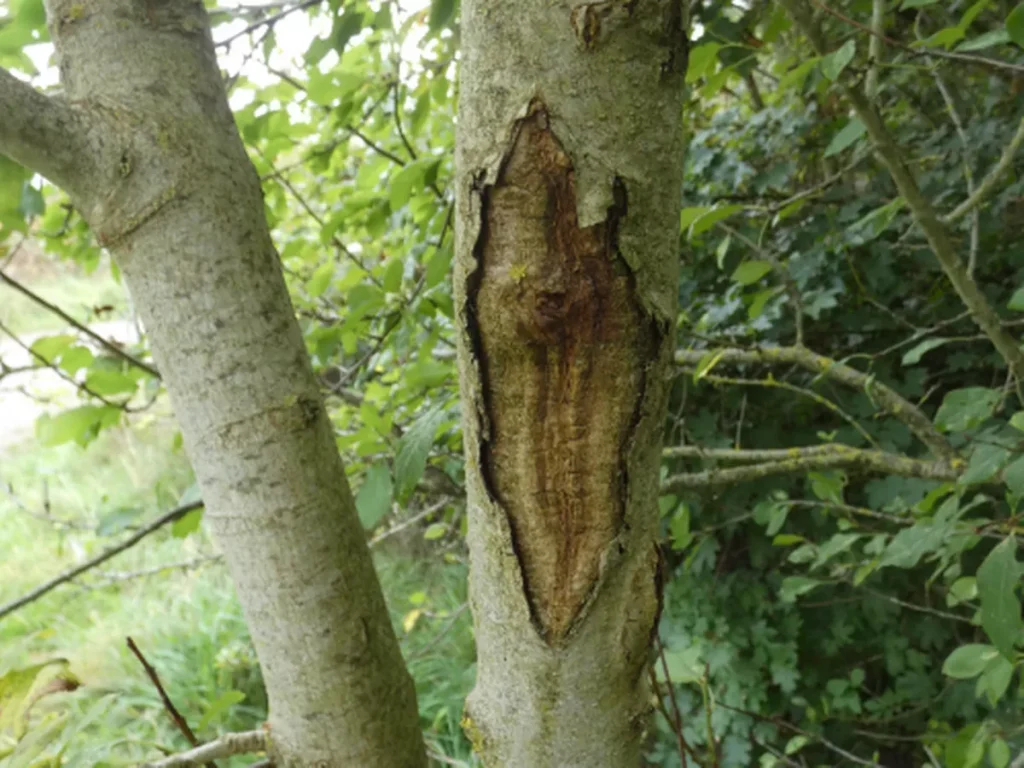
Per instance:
{"type": "Point", "coordinates": [187, 622]}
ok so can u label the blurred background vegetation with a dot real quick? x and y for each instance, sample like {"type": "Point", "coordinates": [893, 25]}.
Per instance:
{"type": "Point", "coordinates": [845, 450]}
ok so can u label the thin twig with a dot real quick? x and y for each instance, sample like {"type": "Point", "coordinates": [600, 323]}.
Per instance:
{"type": "Point", "coordinates": [988, 184]}
{"type": "Point", "coordinates": [176, 716]}
{"type": "Point", "coordinates": [980, 60]}
{"type": "Point", "coordinates": [114, 349]}
{"type": "Point", "coordinates": [243, 743]}
{"type": "Point", "coordinates": [102, 557]}
{"type": "Point", "coordinates": [269, 20]}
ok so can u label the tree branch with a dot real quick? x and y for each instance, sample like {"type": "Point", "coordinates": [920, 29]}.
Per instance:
{"type": "Point", "coordinates": [890, 401]}
{"type": "Point", "coordinates": [107, 345]}
{"type": "Point", "coordinates": [102, 557]}
{"type": "Point", "coordinates": [988, 184]}
{"type": "Point", "coordinates": [920, 206]}
{"type": "Point", "coordinates": [786, 461]}
{"type": "Point", "coordinates": [41, 133]}
{"type": "Point", "coordinates": [243, 743]}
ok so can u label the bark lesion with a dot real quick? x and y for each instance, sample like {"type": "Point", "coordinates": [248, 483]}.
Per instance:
{"type": "Point", "coordinates": [562, 343]}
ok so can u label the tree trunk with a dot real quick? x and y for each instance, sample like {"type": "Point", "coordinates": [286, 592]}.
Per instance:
{"type": "Point", "coordinates": [161, 176]}
{"type": "Point", "coordinates": [569, 165]}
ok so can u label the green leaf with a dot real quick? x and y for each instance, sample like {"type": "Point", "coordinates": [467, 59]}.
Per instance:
{"type": "Point", "coordinates": [684, 666]}
{"type": "Point", "coordinates": [981, 42]}
{"type": "Point", "coordinates": [393, 275]}
{"type": "Point", "coordinates": [345, 28]}
{"type": "Point", "coordinates": [833, 65]}
{"type": "Point", "coordinates": [794, 586]}
{"type": "Point", "coordinates": [911, 544]}
{"type": "Point", "coordinates": [680, 528]}
{"type": "Point", "coordinates": [435, 531]}
{"type": "Point", "coordinates": [50, 348]}
{"type": "Point", "coordinates": [751, 271]}
{"type": "Point", "coordinates": [1016, 301]}
{"type": "Point", "coordinates": [968, 661]}
{"type": "Point", "coordinates": [1017, 421]}
{"type": "Point", "coordinates": [760, 300]}
{"type": "Point", "coordinates": [999, 753]}
{"type": "Point", "coordinates": [75, 359]}
{"type": "Point", "coordinates": [187, 524]}
{"type": "Point", "coordinates": [21, 687]}
{"type": "Point", "coordinates": [374, 498]}
{"type": "Point", "coordinates": [964, 409]}
{"type": "Point", "coordinates": [875, 222]}
{"type": "Point", "coordinates": [916, 4]}
{"type": "Point", "coordinates": [80, 425]}
{"type": "Point", "coordinates": [1015, 25]}
{"type": "Point", "coordinates": [995, 679]}
{"type": "Point", "coordinates": [850, 133]}
{"type": "Point", "coordinates": [998, 577]}
{"type": "Point", "coordinates": [106, 382]}
{"type": "Point", "coordinates": [441, 13]}
{"type": "Point", "coordinates": [787, 540]}
{"type": "Point", "coordinates": [795, 744]}
{"type": "Point", "coordinates": [986, 460]}
{"type": "Point", "coordinates": [711, 217]}
{"type": "Point", "coordinates": [1013, 476]}
{"type": "Point", "coordinates": [943, 38]}
{"type": "Point", "coordinates": [796, 76]}
{"type": "Point", "coordinates": [219, 707]}
{"type": "Point", "coordinates": [413, 449]}
{"type": "Point", "coordinates": [913, 356]}
{"type": "Point", "coordinates": [321, 278]}
{"type": "Point", "coordinates": [409, 179]}
{"type": "Point", "coordinates": [702, 58]}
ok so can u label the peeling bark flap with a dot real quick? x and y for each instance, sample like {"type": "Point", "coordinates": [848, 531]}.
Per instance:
{"type": "Point", "coordinates": [562, 341]}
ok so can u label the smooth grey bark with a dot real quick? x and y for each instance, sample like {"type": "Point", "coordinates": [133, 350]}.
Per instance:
{"type": "Point", "coordinates": [160, 174]}
{"type": "Point", "coordinates": [568, 171]}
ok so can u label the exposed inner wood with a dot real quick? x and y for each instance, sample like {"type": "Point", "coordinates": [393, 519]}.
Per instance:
{"type": "Point", "coordinates": [562, 344]}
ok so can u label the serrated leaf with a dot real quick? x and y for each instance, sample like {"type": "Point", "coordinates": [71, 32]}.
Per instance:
{"type": "Point", "coordinates": [851, 132]}
{"type": "Point", "coordinates": [834, 63]}
{"type": "Point", "coordinates": [684, 666]}
{"type": "Point", "coordinates": [374, 498]}
{"type": "Point", "coordinates": [913, 356]}
{"type": "Point", "coordinates": [413, 449]}
{"type": "Point", "coordinates": [986, 460]}
{"type": "Point", "coordinates": [968, 661]}
{"type": "Point", "coordinates": [964, 409]}
{"type": "Point", "coordinates": [751, 271]}
{"type": "Point", "coordinates": [997, 578]}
